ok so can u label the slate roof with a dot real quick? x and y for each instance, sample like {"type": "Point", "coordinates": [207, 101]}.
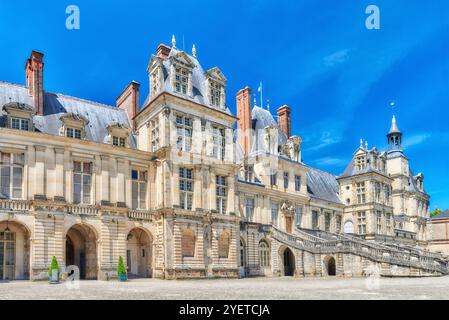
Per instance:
{"type": "Point", "coordinates": [198, 80]}
{"type": "Point", "coordinates": [57, 105]}
{"type": "Point", "coordinates": [263, 118]}
{"type": "Point", "coordinates": [323, 186]}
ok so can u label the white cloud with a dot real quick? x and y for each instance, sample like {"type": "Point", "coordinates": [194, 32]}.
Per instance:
{"type": "Point", "coordinates": [415, 139]}
{"type": "Point", "coordinates": [336, 58]}
{"type": "Point", "coordinates": [327, 138]}
{"type": "Point", "coordinates": [329, 161]}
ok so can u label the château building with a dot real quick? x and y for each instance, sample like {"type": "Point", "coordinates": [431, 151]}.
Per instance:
{"type": "Point", "coordinates": [174, 188]}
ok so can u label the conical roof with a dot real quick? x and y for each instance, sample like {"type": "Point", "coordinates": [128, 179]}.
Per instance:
{"type": "Point", "coordinates": [394, 127]}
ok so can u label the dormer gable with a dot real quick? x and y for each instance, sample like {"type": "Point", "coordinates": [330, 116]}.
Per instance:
{"type": "Point", "coordinates": [118, 134]}
{"type": "Point", "coordinates": [182, 59]}
{"type": "Point", "coordinates": [216, 74]}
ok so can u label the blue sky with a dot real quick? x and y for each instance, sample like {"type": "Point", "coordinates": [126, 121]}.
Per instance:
{"type": "Point", "coordinates": [316, 56]}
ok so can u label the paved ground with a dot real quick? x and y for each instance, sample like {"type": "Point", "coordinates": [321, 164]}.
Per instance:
{"type": "Point", "coordinates": [247, 289]}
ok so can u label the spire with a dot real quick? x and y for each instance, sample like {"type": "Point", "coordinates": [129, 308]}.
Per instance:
{"type": "Point", "coordinates": [173, 41]}
{"type": "Point", "coordinates": [394, 126]}
{"type": "Point", "coordinates": [194, 51]}
{"type": "Point", "coordinates": [394, 137]}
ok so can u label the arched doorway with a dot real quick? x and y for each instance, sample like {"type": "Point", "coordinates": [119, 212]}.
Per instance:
{"type": "Point", "coordinates": [139, 254]}
{"type": "Point", "coordinates": [14, 251]}
{"type": "Point", "coordinates": [81, 251]}
{"type": "Point", "coordinates": [331, 269]}
{"type": "Point", "coordinates": [289, 263]}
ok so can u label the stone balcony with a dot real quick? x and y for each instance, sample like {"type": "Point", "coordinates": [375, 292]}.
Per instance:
{"type": "Point", "coordinates": [28, 207]}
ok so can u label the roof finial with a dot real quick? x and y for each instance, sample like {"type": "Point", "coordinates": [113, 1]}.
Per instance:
{"type": "Point", "coordinates": [255, 101]}
{"type": "Point", "coordinates": [361, 143]}
{"type": "Point", "coordinates": [366, 145]}
{"type": "Point", "coordinates": [173, 41]}
{"type": "Point", "coordinates": [194, 51]}
{"type": "Point", "coordinates": [268, 104]}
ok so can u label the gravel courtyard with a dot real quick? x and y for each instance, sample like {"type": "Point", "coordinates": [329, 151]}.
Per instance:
{"type": "Point", "coordinates": [245, 289]}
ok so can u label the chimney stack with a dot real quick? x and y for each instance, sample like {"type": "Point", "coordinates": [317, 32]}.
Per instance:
{"type": "Point", "coordinates": [284, 120]}
{"type": "Point", "coordinates": [163, 51]}
{"type": "Point", "coordinates": [244, 123]}
{"type": "Point", "coordinates": [129, 101]}
{"type": "Point", "coordinates": [34, 71]}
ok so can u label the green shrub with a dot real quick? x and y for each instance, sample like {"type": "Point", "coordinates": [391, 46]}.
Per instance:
{"type": "Point", "coordinates": [54, 266]}
{"type": "Point", "coordinates": [121, 266]}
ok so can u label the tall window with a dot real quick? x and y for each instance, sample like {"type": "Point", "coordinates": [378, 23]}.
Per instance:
{"type": "Point", "coordinates": [119, 141]}
{"type": "Point", "coordinates": [379, 222]}
{"type": "Point", "coordinates": [297, 183]}
{"type": "Point", "coordinates": [215, 94]}
{"type": "Point", "coordinates": [249, 209]}
{"type": "Point", "coordinates": [219, 143]}
{"type": "Point", "coordinates": [338, 223]}
{"type": "Point", "coordinates": [82, 181]}
{"type": "Point", "coordinates": [139, 189]}
{"type": "Point", "coordinates": [377, 192]}
{"type": "Point", "coordinates": [314, 220]}
{"type": "Point", "coordinates": [184, 129]}
{"type": "Point", "coordinates": [221, 193]}
{"type": "Point", "coordinates": [264, 254]}
{"type": "Point", "coordinates": [327, 221]}
{"type": "Point", "coordinates": [20, 124]}
{"type": "Point", "coordinates": [74, 133]}
{"type": "Point", "coordinates": [249, 173]}
{"type": "Point", "coordinates": [274, 179]}
{"type": "Point", "coordinates": [274, 213]}
{"type": "Point", "coordinates": [155, 82]}
{"type": "Point", "coordinates": [154, 127]}
{"type": "Point", "coordinates": [360, 163]}
{"type": "Point", "coordinates": [286, 176]}
{"type": "Point", "coordinates": [181, 80]}
{"type": "Point", "coordinates": [186, 188]}
{"type": "Point", "coordinates": [387, 194]}
{"type": "Point", "coordinates": [361, 219]}
{"type": "Point", "coordinates": [11, 175]}
{"type": "Point", "coordinates": [298, 216]}
{"type": "Point", "coordinates": [361, 197]}
{"type": "Point", "coordinates": [388, 222]}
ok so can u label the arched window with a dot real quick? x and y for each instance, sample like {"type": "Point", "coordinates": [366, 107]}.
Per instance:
{"type": "Point", "coordinates": [264, 254]}
{"type": "Point", "coordinates": [349, 227]}
{"type": "Point", "coordinates": [223, 245]}
{"type": "Point", "coordinates": [188, 243]}
{"type": "Point", "coordinates": [242, 253]}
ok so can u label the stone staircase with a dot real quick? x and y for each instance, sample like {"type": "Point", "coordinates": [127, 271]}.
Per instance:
{"type": "Point", "coordinates": [319, 242]}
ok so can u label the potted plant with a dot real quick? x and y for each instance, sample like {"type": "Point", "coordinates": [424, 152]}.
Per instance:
{"type": "Point", "coordinates": [121, 270]}
{"type": "Point", "coordinates": [53, 271]}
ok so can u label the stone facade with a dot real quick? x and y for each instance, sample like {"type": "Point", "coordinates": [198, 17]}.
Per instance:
{"type": "Point", "coordinates": [164, 186]}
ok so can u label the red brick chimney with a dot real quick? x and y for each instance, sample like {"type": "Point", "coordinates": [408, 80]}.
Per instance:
{"type": "Point", "coordinates": [34, 71]}
{"type": "Point", "coordinates": [244, 123]}
{"type": "Point", "coordinates": [284, 120]}
{"type": "Point", "coordinates": [163, 51]}
{"type": "Point", "coordinates": [129, 101]}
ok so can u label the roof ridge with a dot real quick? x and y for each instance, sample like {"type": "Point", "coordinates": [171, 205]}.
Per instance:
{"type": "Point", "coordinates": [316, 169]}
{"type": "Point", "coordinates": [99, 104]}
{"type": "Point", "coordinates": [13, 84]}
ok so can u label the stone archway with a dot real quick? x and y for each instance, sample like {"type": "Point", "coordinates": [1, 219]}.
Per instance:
{"type": "Point", "coordinates": [14, 251]}
{"type": "Point", "coordinates": [288, 259]}
{"type": "Point", "coordinates": [330, 266]}
{"type": "Point", "coordinates": [139, 253]}
{"type": "Point", "coordinates": [81, 251]}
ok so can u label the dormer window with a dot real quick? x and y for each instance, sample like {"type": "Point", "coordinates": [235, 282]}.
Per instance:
{"type": "Point", "coordinates": [118, 135]}
{"type": "Point", "coordinates": [119, 141]}
{"type": "Point", "coordinates": [20, 124]}
{"type": "Point", "coordinates": [215, 94]}
{"type": "Point", "coordinates": [73, 126]}
{"type": "Point", "coordinates": [181, 80]}
{"type": "Point", "coordinates": [155, 79]}
{"type": "Point", "coordinates": [73, 133]}
{"type": "Point", "coordinates": [360, 163]}
{"type": "Point", "coordinates": [19, 116]}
